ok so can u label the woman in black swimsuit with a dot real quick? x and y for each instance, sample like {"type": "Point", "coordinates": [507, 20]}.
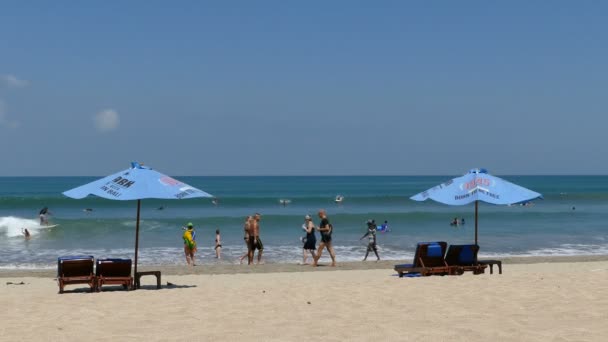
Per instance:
{"type": "Point", "coordinates": [218, 244]}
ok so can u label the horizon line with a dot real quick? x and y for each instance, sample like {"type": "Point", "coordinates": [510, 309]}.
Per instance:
{"type": "Point", "coordinates": [329, 175]}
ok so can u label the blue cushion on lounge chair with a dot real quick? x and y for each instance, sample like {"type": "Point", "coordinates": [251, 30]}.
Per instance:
{"type": "Point", "coordinates": [75, 257]}
{"type": "Point", "coordinates": [412, 275]}
{"type": "Point", "coordinates": [435, 250]}
{"type": "Point", "coordinates": [466, 256]}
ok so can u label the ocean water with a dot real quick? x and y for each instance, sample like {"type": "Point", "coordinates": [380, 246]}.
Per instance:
{"type": "Point", "coordinates": [571, 220]}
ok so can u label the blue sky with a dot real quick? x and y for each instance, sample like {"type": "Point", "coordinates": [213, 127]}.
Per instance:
{"type": "Point", "coordinates": [303, 88]}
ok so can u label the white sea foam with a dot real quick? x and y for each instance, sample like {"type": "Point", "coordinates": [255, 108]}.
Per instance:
{"type": "Point", "coordinates": [12, 226]}
{"type": "Point", "coordinates": [572, 249]}
{"type": "Point", "coordinates": [47, 258]}
{"type": "Point", "coordinates": [20, 258]}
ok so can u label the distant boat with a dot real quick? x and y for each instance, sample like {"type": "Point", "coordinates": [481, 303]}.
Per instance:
{"type": "Point", "coordinates": [339, 199]}
{"type": "Point", "coordinates": [284, 201]}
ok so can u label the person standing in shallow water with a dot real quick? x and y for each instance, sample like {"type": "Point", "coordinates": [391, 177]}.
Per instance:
{"type": "Point", "coordinates": [371, 234]}
{"type": "Point", "coordinates": [254, 239]}
{"type": "Point", "coordinates": [218, 244]}
{"type": "Point", "coordinates": [189, 244]}
{"type": "Point", "coordinates": [326, 230]}
{"type": "Point", "coordinates": [246, 229]}
{"type": "Point", "coordinates": [311, 239]}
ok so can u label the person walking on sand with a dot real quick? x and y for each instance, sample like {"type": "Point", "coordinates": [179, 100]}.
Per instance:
{"type": "Point", "coordinates": [246, 229]}
{"type": "Point", "coordinates": [310, 239]}
{"type": "Point", "coordinates": [189, 244]}
{"type": "Point", "coordinates": [218, 244]}
{"type": "Point", "coordinates": [371, 235]}
{"type": "Point", "coordinates": [326, 230]}
{"type": "Point", "coordinates": [254, 239]}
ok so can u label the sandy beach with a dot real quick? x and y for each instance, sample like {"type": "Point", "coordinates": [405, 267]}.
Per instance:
{"type": "Point", "coordinates": [535, 299]}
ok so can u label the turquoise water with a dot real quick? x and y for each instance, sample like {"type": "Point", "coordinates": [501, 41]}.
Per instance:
{"type": "Point", "coordinates": [571, 220]}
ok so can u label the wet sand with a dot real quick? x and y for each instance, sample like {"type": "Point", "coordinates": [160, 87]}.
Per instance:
{"type": "Point", "coordinates": [323, 266]}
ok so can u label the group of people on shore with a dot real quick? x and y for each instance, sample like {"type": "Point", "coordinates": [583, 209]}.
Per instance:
{"type": "Point", "coordinates": [251, 230]}
{"type": "Point", "coordinates": [190, 247]}
{"type": "Point", "coordinates": [326, 229]}
{"type": "Point", "coordinates": [310, 240]}
{"type": "Point", "coordinates": [253, 242]}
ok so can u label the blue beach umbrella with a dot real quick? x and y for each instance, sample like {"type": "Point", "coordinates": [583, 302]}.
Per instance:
{"type": "Point", "coordinates": [137, 183]}
{"type": "Point", "coordinates": [478, 185]}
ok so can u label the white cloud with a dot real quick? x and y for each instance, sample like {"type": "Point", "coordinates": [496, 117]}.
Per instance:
{"type": "Point", "coordinates": [14, 82]}
{"type": "Point", "coordinates": [106, 120]}
{"type": "Point", "coordinates": [4, 121]}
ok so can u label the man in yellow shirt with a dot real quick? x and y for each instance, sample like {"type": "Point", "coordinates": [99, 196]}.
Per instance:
{"type": "Point", "coordinates": [189, 244]}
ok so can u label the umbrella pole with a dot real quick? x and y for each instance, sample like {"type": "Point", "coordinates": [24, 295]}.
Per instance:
{"type": "Point", "coordinates": [136, 238]}
{"type": "Point", "coordinates": [476, 205]}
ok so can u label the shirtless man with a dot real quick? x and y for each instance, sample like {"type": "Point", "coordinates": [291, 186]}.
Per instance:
{"type": "Point", "coordinates": [254, 239]}
{"type": "Point", "coordinates": [326, 229]}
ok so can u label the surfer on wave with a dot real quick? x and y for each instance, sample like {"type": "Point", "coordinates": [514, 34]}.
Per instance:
{"type": "Point", "coordinates": [44, 216]}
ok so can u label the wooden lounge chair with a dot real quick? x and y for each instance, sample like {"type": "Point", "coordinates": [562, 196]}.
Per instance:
{"type": "Point", "coordinates": [114, 272]}
{"type": "Point", "coordinates": [75, 270]}
{"type": "Point", "coordinates": [428, 260]}
{"type": "Point", "coordinates": [463, 258]}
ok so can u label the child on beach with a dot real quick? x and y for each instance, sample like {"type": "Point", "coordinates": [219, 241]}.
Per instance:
{"type": "Point", "coordinates": [218, 244]}
{"type": "Point", "coordinates": [371, 234]}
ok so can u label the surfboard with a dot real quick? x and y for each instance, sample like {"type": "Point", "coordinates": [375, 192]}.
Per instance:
{"type": "Point", "coordinates": [45, 227]}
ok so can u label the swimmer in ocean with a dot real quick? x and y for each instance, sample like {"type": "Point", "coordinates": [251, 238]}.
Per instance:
{"type": "Point", "coordinates": [26, 233]}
